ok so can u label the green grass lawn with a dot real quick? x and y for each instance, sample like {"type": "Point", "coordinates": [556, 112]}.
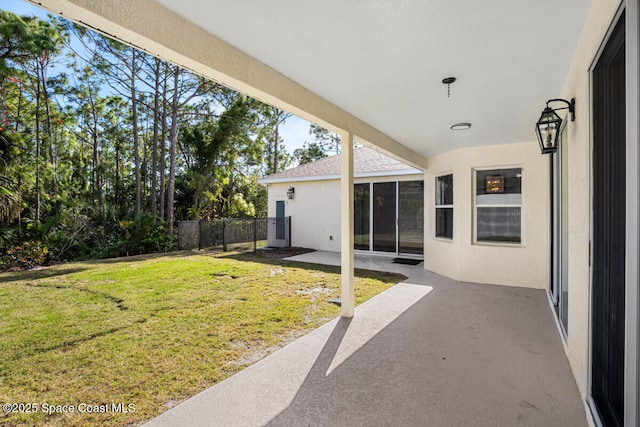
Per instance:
{"type": "Point", "coordinates": [151, 331]}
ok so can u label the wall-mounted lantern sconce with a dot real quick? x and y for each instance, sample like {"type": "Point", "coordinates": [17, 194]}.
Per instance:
{"type": "Point", "coordinates": [494, 184]}
{"type": "Point", "coordinates": [548, 126]}
{"type": "Point", "coordinates": [291, 192]}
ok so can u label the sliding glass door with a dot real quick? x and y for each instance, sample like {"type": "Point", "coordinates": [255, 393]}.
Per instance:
{"type": "Point", "coordinates": [389, 217]}
{"type": "Point", "coordinates": [560, 241]}
{"type": "Point", "coordinates": [384, 217]}
{"type": "Point", "coordinates": [361, 220]}
{"type": "Point", "coordinates": [411, 217]}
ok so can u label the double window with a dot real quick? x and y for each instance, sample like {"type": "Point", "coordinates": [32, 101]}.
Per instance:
{"type": "Point", "coordinates": [498, 205]}
{"type": "Point", "coordinates": [444, 206]}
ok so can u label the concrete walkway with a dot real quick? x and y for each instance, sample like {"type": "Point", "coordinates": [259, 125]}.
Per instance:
{"type": "Point", "coordinates": [427, 352]}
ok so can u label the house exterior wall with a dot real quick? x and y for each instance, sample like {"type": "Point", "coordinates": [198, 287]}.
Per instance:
{"type": "Point", "coordinates": [577, 85]}
{"type": "Point", "coordinates": [315, 209]}
{"type": "Point", "coordinates": [525, 264]}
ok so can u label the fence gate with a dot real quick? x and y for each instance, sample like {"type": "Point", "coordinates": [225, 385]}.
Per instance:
{"type": "Point", "coordinates": [188, 234]}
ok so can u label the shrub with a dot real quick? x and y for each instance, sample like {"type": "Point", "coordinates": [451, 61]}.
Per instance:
{"type": "Point", "coordinates": [109, 246]}
{"type": "Point", "coordinates": [135, 235]}
{"type": "Point", "coordinates": [159, 240]}
{"type": "Point", "coordinates": [26, 255]}
{"type": "Point", "coordinates": [7, 237]}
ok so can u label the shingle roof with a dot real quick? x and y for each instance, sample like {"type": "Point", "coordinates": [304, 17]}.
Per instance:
{"type": "Point", "coordinates": [366, 161]}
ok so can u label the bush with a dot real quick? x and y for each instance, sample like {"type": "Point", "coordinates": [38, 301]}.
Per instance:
{"type": "Point", "coordinates": [159, 240]}
{"type": "Point", "coordinates": [69, 236]}
{"type": "Point", "coordinates": [75, 235]}
{"type": "Point", "coordinates": [136, 235]}
{"type": "Point", "coordinates": [109, 246]}
{"type": "Point", "coordinates": [26, 255]}
{"type": "Point", "coordinates": [8, 237]}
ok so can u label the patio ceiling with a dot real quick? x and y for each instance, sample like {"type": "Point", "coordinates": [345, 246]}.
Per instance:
{"type": "Point", "coordinates": [384, 61]}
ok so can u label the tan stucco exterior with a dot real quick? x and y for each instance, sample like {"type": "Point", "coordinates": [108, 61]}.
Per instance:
{"type": "Point", "coordinates": [315, 213]}
{"type": "Point", "coordinates": [525, 264]}
{"type": "Point", "coordinates": [316, 220]}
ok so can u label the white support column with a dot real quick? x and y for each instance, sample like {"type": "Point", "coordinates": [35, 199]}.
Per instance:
{"type": "Point", "coordinates": [346, 224]}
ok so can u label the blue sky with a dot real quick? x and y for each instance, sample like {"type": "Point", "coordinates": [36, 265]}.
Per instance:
{"type": "Point", "coordinates": [294, 132]}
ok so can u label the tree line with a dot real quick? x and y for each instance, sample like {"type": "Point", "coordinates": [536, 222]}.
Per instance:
{"type": "Point", "coordinates": [104, 147]}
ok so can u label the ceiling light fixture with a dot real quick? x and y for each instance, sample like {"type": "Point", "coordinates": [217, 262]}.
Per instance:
{"type": "Point", "coordinates": [447, 81]}
{"type": "Point", "coordinates": [461, 126]}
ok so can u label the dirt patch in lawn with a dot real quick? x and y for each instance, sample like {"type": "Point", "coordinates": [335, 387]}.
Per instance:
{"type": "Point", "coordinates": [280, 253]}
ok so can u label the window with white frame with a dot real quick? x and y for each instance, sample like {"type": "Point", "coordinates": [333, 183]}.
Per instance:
{"type": "Point", "coordinates": [444, 206]}
{"type": "Point", "coordinates": [498, 205]}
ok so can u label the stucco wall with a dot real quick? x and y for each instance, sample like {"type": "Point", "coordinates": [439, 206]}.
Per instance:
{"type": "Point", "coordinates": [577, 86]}
{"type": "Point", "coordinates": [525, 264]}
{"type": "Point", "coordinates": [315, 213]}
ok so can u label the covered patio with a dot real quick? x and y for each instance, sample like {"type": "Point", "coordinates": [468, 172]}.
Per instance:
{"type": "Point", "coordinates": [428, 351]}
{"type": "Point", "coordinates": [452, 89]}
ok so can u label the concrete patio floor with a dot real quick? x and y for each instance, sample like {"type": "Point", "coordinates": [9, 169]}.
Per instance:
{"type": "Point", "coordinates": [430, 351]}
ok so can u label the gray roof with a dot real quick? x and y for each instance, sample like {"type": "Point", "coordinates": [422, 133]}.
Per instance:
{"type": "Point", "coordinates": [366, 162]}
